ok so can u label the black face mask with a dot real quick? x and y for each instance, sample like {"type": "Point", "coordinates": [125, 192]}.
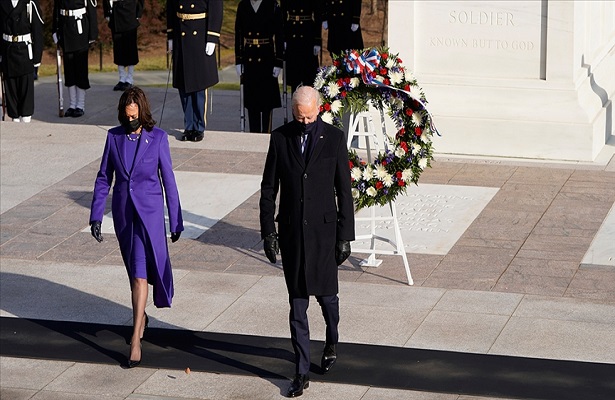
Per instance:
{"type": "Point", "coordinates": [131, 126]}
{"type": "Point", "coordinates": [307, 128]}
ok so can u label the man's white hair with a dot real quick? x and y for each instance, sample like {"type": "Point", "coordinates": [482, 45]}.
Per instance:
{"type": "Point", "coordinates": [305, 95]}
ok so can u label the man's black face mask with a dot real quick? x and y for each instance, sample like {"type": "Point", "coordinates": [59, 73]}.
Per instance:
{"type": "Point", "coordinates": [306, 128]}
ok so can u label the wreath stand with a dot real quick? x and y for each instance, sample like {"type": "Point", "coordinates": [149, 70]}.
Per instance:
{"type": "Point", "coordinates": [362, 127]}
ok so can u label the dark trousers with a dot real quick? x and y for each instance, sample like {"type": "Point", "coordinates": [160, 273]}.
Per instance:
{"type": "Point", "coordinates": [300, 330]}
{"type": "Point", "coordinates": [260, 121]}
{"type": "Point", "coordinates": [19, 96]}
{"type": "Point", "coordinates": [76, 69]}
{"type": "Point", "coordinates": [193, 105]}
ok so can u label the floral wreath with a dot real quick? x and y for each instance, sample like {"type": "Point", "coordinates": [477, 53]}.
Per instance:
{"type": "Point", "coordinates": [377, 75]}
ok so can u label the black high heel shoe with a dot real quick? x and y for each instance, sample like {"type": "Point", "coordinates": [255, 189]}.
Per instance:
{"type": "Point", "coordinates": [135, 363]}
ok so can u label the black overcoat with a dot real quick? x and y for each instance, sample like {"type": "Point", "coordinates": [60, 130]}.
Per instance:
{"type": "Point", "coordinates": [261, 90]}
{"type": "Point", "coordinates": [76, 24]}
{"type": "Point", "coordinates": [340, 15]}
{"type": "Point", "coordinates": [302, 28]}
{"type": "Point", "coordinates": [193, 69]}
{"type": "Point", "coordinates": [123, 15]}
{"type": "Point", "coordinates": [316, 206]}
{"type": "Point", "coordinates": [18, 57]}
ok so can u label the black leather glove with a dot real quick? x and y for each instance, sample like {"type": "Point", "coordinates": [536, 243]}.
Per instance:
{"type": "Point", "coordinates": [272, 247]}
{"type": "Point", "coordinates": [95, 229]}
{"type": "Point", "coordinates": [175, 236]}
{"type": "Point", "coordinates": [342, 251]}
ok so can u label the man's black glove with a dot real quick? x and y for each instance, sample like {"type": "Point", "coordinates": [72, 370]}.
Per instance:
{"type": "Point", "coordinates": [175, 236]}
{"type": "Point", "coordinates": [271, 247]}
{"type": "Point", "coordinates": [342, 251]}
{"type": "Point", "coordinates": [95, 229]}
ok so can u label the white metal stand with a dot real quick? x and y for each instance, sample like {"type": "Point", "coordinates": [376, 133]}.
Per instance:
{"type": "Point", "coordinates": [362, 126]}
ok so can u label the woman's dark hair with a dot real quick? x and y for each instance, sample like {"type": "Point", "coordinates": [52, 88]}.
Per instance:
{"type": "Point", "coordinates": [135, 95]}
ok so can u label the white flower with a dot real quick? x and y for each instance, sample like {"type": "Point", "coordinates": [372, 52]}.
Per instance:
{"type": "Point", "coordinates": [415, 148]}
{"type": "Point", "coordinates": [400, 152]}
{"type": "Point", "coordinates": [422, 163]}
{"type": "Point", "coordinates": [336, 106]}
{"type": "Point", "coordinates": [331, 70]}
{"type": "Point", "coordinates": [354, 82]}
{"type": "Point", "coordinates": [388, 180]}
{"type": "Point", "coordinates": [333, 89]}
{"type": "Point", "coordinates": [327, 117]}
{"type": "Point", "coordinates": [371, 191]}
{"type": "Point", "coordinates": [426, 136]}
{"type": "Point", "coordinates": [368, 173]}
{"type": "Point", "coordinates": [319, 82]}
{"type": "Point", "coordinates": [390, 62]}
{"type": "Point", "coordinates": [356, 173]}
{"type": "Point", "coordinates": [417, 118]}
{"type": "Point", "coordinates": [396, 77]}
{"type": "Point", "coordinates": [380, 172]}
{"type": "Point", "coordinates": [379, 78]}
{"type": "Point", "coordinates": [355, 193]}
{"type": "Point", "coordinates": [406, 175]}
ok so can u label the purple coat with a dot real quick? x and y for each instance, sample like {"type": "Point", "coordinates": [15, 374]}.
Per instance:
{"type": "Point", "coordinates": [142, 187]}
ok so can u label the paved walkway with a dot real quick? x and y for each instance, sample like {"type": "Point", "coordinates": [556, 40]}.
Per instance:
{"type": "Point", "coordinates": [528, 271]}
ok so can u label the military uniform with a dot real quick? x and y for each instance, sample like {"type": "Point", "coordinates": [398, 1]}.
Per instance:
{"type": "Point", "coordinates": [259, 47]}
{"type": "Point", "coordinates": [21, 49]}
{"type": "Point", "coordinates": [123, 17]}
{"type": "Point", "coordinates": [75, 26]}
{"type": "Point", "coordinates": [340, 15]}
{"type": "Point", "coordinates": [191, 25]}
{"type": "Point", "coordinates": [302, 27]}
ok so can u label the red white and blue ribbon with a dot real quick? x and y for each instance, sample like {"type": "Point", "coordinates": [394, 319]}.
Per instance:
{"type": "Point", "coordinates": [363, 64]}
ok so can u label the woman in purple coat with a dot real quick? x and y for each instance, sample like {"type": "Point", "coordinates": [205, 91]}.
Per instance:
{"type": "Point", "coordinates": [137, 154]}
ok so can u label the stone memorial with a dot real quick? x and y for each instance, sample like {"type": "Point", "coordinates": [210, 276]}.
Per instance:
{"type": "Point", "coordinates": [528, 79]}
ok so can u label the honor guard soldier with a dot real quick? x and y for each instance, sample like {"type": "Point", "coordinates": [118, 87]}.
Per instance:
{"type": "Point", "coordinates": [193, 30]}
{"type": "Point", "coordinates": [302, 21]}
{"type": "Point", "coordinates": [343, 20]}
{"type": "Point", "coordinates": [75, 27]}
{"type": "Point", "coordinates": [259, 48]}
{"type": "Point", "coordinates": [20, 52]}
{"type": "Point", "coordinates": [123, 17]}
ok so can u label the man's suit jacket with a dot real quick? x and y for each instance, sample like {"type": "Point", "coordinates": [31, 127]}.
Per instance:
{"type": "Point", "coordinates": [316, 206]}
{"type": "Point", "coordinates": [141, 187]}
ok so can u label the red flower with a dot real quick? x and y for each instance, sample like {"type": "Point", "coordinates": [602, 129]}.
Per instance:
{"type": "Point", "coordinates": [399, 60]}
{"type": "Point", "coordinates": [383, 71]}
{"type": "Point", "coordinates": [363, 162]}
{"type": "Point", "coordinates": [404, 146]}
{"type": "Point", "coordinates": [322, 108]}
{"type": "Point", "coordinates": [384, 55]}
{"type": "Point", "coordinates": [398, 174]}
{"type": "Point", "coordinates": [343, 93]}
{"type": "Point", "coordinates": [384, 163]}
{"type": "Point", "coordinates": [387, 81]}
{"type": "Point", "coordinates": [340, 82]}
{"type": "Point", "coordinates": [418, 131]}
{"type": "Point", "coordinates": [327, 106]}
{"type": "Point", "coordinates": [347, 80]}
{"type": "Point", "coordinates": [401, 182]}
{"type": "Point", "coordinates": [379, 185]}
{"type": "Point", "coordinates": [350, 164]}
{"type": "Point", "coordinates": [401, 132]}
{"type": "Point", "coordinates": [409, 112]}
{"type": "Point", "coordinates": [407, 87]}
{"type": "Point", "coordinates": [336, 63]}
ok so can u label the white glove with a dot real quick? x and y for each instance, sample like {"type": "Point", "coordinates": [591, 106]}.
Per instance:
{"type": "Point", "coordinates": [284, 45]}
{"type": "Point", "coordinates": [325, 25]}
{"type": "Point", "coordinates": [210, 48]}
{"type": "Point", "coordinates": [108, 19]}
{"type": "Point", "coordinates": [354, 27]}
{"type": "Point", "coordinates": [276, 71]}
{"type": "Point", "coordinates": [55, 38]}
{"type": "Point", "coordinates": [238, 68]}
{"type": "Point", "coordinates": [316, 50]}
{"type": "Point", "coordinates": [170, 45]}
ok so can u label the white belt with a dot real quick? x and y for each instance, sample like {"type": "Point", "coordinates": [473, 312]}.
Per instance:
{"type": "Point", "coordinates": [17, 38]}
{"type": "Point", "coordinates": [78, 13]}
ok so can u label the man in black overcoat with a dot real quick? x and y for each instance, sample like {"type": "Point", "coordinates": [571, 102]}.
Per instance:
{"type": "Point", "coordinates": [343, 20]}
{"type": "Point", "coordinates": [123, 18]}
{"type": "Point", "coordinates": [307, 162]}
{"type": "Point", "coordinates": [21, 49]}
{"type": "Point", "coordinates": [302, 39]}
{"type": "Point", "coordinates": [259, 55]}
{"type": "Point", "coordinates": [75, 28]}
{"type": "Point", "coordinates": [193, 30]}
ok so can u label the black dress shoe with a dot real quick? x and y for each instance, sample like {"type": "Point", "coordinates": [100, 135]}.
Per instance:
{"type": "Point", "coordinates": [197, 136]}
{"type": "Point", "coordinates": [329, 357]}
{"type": "Point", "coordinates": [69, 113]}
{"type": "Point", "coordinates": [78, 113]}
{"type": "Point", "coordinates": [119, 86]}
{"type": "Point", "coordinates": [188, 135]}
{"type": "Point", "coordinates": [299, 383]}
{"type": "Point", "coordinates": [133, 363]}
{"type": "Point", "coordinates": [127, 85]}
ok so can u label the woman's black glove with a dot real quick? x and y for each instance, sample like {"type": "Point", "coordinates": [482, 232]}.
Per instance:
{"type": "Point", "coordinates": [342, 251]}
{"type": "Point", "coordinates": [175, 236]}
{"type": "Point", "coordinates": [95, 229]}
{"type": "Point", "coordinates": [271, 247]}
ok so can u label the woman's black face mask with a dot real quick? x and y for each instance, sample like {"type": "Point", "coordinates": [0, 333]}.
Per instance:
{"type": "Point", "coordinates": [131, 126]}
